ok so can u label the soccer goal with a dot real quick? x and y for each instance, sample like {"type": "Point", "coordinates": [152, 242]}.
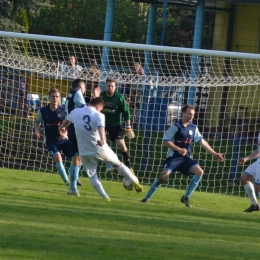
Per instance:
{"type": "Point", "coordinates": [223, 86]}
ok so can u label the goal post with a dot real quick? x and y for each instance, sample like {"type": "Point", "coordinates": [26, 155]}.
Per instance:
{"type": "Point", "coordinates": [223, 87]}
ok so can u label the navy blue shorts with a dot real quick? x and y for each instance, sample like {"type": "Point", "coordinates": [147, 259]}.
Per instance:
{"type": "Point", "coordinates": [57, 147]}
{"type": "Point", "coordinates": [179, 163]}
{"type": "Point", "coordinates": [73, 140]}
{"type": "Point", "coordinates": [115, 132]}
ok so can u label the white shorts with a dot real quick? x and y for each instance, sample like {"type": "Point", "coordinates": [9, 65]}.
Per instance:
{"type": "Point", "coordinates": [254, 171]}
{"type": "Point", "coordinates": [90, 162]}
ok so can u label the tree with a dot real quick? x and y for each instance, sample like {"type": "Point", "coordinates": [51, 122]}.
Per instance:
{"type": "Point", "coordinates": [15, 13]}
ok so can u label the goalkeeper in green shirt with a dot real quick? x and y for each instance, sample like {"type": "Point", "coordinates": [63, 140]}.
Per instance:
{"type": "Point", "coordinates": [115, 108]}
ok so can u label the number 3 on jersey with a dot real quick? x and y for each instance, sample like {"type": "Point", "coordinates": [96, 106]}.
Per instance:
{"type": "Point", "coordinates": [87, 121]}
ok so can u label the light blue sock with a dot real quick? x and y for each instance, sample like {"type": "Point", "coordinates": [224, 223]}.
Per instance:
{"type": "Point", "coordinates": [62, 171]}
{"type": "Point", "coordinates": [154, 187]}
{"type": "Point", "coordinates": [192, 186]}
{"type": "Point", "coordinates": [74, 175]}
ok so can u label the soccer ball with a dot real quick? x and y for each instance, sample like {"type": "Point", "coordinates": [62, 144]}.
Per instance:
{"type": "Point", "coordinates": [127, 184]}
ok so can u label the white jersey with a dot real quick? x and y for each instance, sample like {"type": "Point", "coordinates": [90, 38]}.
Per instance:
{"type": "Point", "coordinates": [86, 121]}
{"type": "Point", "coordinates": [71, 72]}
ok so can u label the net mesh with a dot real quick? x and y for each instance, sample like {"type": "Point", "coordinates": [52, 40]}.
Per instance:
{"type": "Point", "coordinates": [225, 92]}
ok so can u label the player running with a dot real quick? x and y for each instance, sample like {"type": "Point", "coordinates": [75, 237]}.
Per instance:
{"type": "Point", "coordinates": [52, 116]}
{"type": "Point", "coordinates": [74, 100]}
{"type": "Point", "coordinates": [89, 126]}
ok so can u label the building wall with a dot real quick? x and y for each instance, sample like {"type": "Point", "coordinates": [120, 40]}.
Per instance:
{"type": "Point", "coordinates": [242, 100]}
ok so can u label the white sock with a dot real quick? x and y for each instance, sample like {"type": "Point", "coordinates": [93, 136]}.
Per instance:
{"type": "Point", "coordinates": [124, 170]}
{"type": "Point", "coordinates": [250, 191]}
{"type": "Point", "coordinates": [97, 185]}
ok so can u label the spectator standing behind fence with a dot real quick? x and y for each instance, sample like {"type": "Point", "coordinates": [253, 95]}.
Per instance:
{"type": "Point", "coordinates": [72, 70]}
{"type": "Point", "coordinates": [92, 82]}
{"type": "Point", "coordinates": [135, 97]}
{"type": "Point", "coordinates": [137, 69]}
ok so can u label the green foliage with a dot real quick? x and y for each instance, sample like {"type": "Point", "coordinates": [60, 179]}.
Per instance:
{"type": "Point", "coordinates": [80, 19]}
{"type": "Point", "coordinates": [15, 13]}
{"type": "Point", "coordinates": [38, 220]}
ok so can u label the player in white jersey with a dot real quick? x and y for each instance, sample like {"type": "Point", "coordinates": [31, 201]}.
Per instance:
{"type": "Point", "coordinates": [252, 172]}
{"type": "Point", "coordinates": [89, 126]}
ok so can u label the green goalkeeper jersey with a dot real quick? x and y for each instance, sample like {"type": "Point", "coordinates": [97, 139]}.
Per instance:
{"type": "Point", "coordinates": [115, 108]}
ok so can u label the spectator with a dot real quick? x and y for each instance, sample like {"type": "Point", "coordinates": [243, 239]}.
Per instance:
{"type": "Point", "coordinates": [135, 97]}
{"type": "Point", "coordinates": [94, 72]}
{"type": "Point", "coordinates": [72, 70]}
{"type": "Point", "coordinates": [137, 69]}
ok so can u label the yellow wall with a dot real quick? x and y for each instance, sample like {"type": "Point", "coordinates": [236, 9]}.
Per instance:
{"type": "Point", "coordinates": [220, 31]}
{"type": "Point", "coordinates": [245, 39]}
{"type": "Point", "coordinates": [246, 30]}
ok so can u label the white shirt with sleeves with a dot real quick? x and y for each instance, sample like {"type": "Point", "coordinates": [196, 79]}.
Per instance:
{"type": "Point", "coordinates": [86, 121]}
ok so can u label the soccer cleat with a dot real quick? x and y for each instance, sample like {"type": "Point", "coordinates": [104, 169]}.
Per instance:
{"type": "Point", "coordinates": [252, 208]}
{"type": "Point", "coordinates": [144, 200]}
{"type": "Point", "coordinates": [67, 183]}
{"type": "Point", "coordinates": [132, 171]}
{"type": "Point", "coordinates": [138, 188]}
{"type": "Point", "coordinates": [79, 183]}
{"type": "Point", "coordinates": [107, 199]}
{"type": "Point", "coordinates": [110, 169]}
{"type": "Point", "coordinates": [71, 192]}
{"type": "Point", "coordinates": [186, 201]}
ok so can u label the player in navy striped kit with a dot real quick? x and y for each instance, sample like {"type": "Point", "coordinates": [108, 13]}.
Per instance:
{"type": "Point", "coordinates": [179, 139]}
{"type": "Point", "coordinates": [55, 141]}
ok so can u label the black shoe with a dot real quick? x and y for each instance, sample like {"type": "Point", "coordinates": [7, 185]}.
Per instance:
{"type": "Point", "coordinates": [144, 200]}
{"type": "Point", "coordinates": [79, 183]}
{"type": "Point", "coordinates": [186, 201]}
{"type": "Point", "coordinates": [252, 208]}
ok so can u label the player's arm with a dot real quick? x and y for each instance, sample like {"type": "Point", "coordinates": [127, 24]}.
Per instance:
{"type": "Point", "coordinates": [37, 124]}
{"type": "Point", "coordinates": [37, 129]}
{"type": "Point", "coordinates": [168, 141]}
{"type": "Point", "coordinates": [79, 100]}
{"type": "Point", "coordinates": [171, 145]}
{"type": "Point", "coordinates": [64, 125]}
{"type": "Point", "coordinates": [208, 148]}
{"type": "Point", "coordinates": [102, 134]}
{"type": "Point", "coordinates": [251, 156]}
{"type": "Point", "coordinates": [126, 114]}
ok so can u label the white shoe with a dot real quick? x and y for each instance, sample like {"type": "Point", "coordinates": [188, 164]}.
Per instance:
{"type": "Point", "coordinates": [71, 192]}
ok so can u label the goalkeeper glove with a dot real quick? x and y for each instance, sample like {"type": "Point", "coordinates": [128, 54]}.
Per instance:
{"type": "Point", "coordinates": [129, 132]}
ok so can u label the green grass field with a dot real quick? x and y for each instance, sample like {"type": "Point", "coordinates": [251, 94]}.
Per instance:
{"type": "Point", "coordinates": [38, 220]}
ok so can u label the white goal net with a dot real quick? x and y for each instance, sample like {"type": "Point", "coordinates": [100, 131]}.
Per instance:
{"type": "Point", "coordinates": [223, 86]}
